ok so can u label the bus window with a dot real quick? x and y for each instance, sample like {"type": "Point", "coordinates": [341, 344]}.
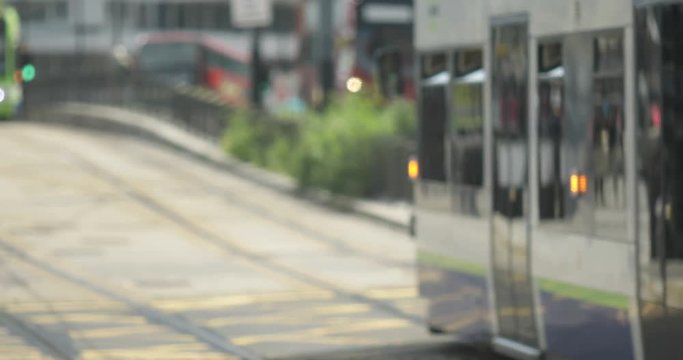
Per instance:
{"type": "Point", "coordinates": [175, 62]}
{"type": "Point", "coordinates": [235, 67]}
{"type": "Point", "coordinates": [466, 132]}
{"type": "Point", "coordinates": [227, 64]}
{"type": "Point", "coordinates": [433, 113]}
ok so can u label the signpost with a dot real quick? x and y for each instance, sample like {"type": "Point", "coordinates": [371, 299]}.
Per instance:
{"type": "Point", "coordinates": [253, 14]}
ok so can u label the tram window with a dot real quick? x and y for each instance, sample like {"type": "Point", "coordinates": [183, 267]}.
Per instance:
{"type": "Point", "coordinates": [581, 177]}
{"type": "Point", "coordinates": [467, 62]}
{"type": "Point", "coordinates": [660, 134]}
{"type": "Point", "coordinates": [509, 108]}
{"type": "Point", "coordinates": [553, 188]}
{"type": "Point", "coordinates": [466, 132]}
{"type": "Point", "coordinates": [433, 64]}
{"type": "Point", "coordinates": [607, 134]}
{"type": "Point", "coordinates": [432, 132]}
{"type": "Point", "coordinates": [609, 54]}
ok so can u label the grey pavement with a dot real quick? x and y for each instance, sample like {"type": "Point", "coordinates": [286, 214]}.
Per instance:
{"type": "Point", "coordinates": [116, 248]}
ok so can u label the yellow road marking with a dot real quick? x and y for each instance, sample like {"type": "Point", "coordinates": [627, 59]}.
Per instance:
{"type": "Point", "coordinates": [325, 331]}
{"type": "Point", "coordinates": [464, 322]}
{"type": "Point", "coordinates": [463, 292]}
{"type": "Point", "coordinates": [257, 319]}
{"type": "Point", "coordinates": [86, 318]}
{"type": "Point", "coordinates": [515, 311]}
{"type": "Point", "coordinates": [339, 309]}
{"type": "Point", "coordinates": [397, 293]}
{"type": "Point", "coordinates": [153, 353]}
{"type": "Point", "coordinates": [130, 330]}
{"type": "Point", "coordinates": [238, 300]}
{"type": "Point", "coordinates": [26, 307]}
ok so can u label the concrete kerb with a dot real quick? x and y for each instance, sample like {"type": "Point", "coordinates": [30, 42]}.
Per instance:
{"type": "Point", "coordinates": [130, 123]}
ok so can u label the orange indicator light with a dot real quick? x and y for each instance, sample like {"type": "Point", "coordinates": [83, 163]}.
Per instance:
{"type": "Point", "coordinates": [583, 184]}
{"type": "Point", "coordinates": [578, 184]}
{"type": "Point", "coordinates": [413, 169]}
{"type": "Point", "coordinates": [574, 184]}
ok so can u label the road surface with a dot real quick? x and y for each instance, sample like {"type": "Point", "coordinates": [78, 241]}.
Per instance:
{"type": "Point", "coordinates": [113, 248]}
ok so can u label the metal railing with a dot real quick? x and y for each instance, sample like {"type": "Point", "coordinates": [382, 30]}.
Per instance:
{"type": "Point", "coordinates": [98, 79]}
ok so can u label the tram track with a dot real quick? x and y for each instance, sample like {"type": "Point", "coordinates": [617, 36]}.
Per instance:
{"type": "Point", "coordinates": [263, 212]}
{"type": "Point", "coordinates": [148, 201]}
{"type": "Point", "coordinates": [29, 333]}
{"type": "Point", "coordinates": [229, 248]}
{"type": "Point", "coordinates": [150, 313]}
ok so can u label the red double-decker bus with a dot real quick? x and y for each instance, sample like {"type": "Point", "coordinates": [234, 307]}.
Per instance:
{"type": "Point", "coordinates": [197, 59]}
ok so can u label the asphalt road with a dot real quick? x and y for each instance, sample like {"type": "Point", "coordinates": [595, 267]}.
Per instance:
{"type": "Point", "coordinates": [111, 248]}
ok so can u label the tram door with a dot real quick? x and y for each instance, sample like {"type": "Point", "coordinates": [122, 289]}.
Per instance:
{"type": "Point", "coordinates": [512, 286]}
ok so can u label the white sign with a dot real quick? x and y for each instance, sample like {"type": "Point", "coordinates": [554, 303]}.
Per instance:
{"type": "Point", "coordinates": [388, 14]}
{"type": "Point", "coordinates": [251, 13]}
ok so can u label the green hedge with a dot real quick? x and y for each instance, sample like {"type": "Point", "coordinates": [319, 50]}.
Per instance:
{"type": "Point", "coordinates": [333, 150]}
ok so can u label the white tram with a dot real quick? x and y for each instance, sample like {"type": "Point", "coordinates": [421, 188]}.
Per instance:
{"type": "Point", "coordinates": [549, 203]}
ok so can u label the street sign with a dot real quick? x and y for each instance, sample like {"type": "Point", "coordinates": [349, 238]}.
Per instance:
{"type": "Point", "coordinates": [251, 13]}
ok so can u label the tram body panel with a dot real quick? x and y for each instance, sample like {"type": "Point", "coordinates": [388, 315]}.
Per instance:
{"type": "Point", "coordinates": [452, 274]}
{"type": "Point", "coordinates": [451, 23]}
{"type": "Point", "coordinates": [585, 287]}
{"type": "Point", "coordinates": [552, 17]}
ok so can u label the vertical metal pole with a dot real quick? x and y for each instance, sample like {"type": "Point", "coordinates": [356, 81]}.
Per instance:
{"type": "Point", "coordinates": [632, 183]}
{"type": "Point", "coordinates": [489, 148]}
{"type": "Point", "coordinates": [80, 27]}
{"type": "Point", "coordinates": [533, 183]}
{"type": "Point", "coordinates": [256, 69]}
{"type": "Point", "coordinates": [327, 49]}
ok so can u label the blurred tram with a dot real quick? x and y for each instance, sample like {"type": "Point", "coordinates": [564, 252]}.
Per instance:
{"type": "Point", "coordinates": [549, 201]}
{"type": "Point", "coordinates": [11, 75]}
{"type": "Point", "coordinates": [196, 59]}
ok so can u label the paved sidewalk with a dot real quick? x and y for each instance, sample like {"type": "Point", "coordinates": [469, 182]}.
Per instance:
{"type": "Point", "coordinates": [102, 117]}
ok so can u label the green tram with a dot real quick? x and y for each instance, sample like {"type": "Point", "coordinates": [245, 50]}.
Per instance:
{"type": "Point", "coordinates": [11, 72]}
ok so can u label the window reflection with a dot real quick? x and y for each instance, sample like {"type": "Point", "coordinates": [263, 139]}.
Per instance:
{"type": "Point", "coordinates": [433, 115]}
{"type": "Point", "coordinates": [581, 175]}
{"type": "Point", "coordinates": [552, 187]}
{"type": "Point", "coordinates": [466, 137]}
{"type": "Point", "coordinates": [660, 167]}
{"type": "Point", "coordinates": [509, 121]}
{"type": "Point", "coordinates": [660, 133]}
{"type": "Point", "coordinates": [607, 135]}
{"type": "Point", "coordinates": [608, 149]}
